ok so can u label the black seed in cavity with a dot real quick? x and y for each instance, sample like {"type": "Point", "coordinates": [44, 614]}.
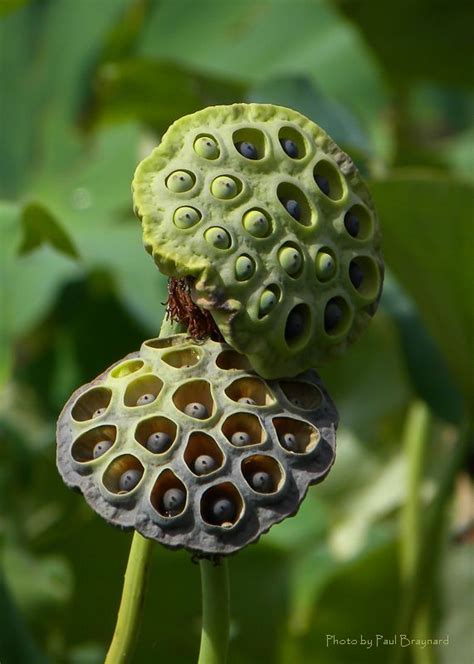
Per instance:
{"type": "Point", "coordinates": [293, 208]}
{"type": "Point", "coordinates": [323, 184]}
{"type": "Point", "coordinates": [247, 150]}
{"type": "Point", "coordinates": [289, 147]}
{"type": "Point", "coordinates": [261, 481]}
{"type": "Point", "coordinates": [173, 501]}
{"type": "Point", "coordinates": [351, 222]}
{"type": "Point", "coordinates": [223, 510]}
{"type": "Point", "coordinates": [294, 325]}
{"type": "Point", "coordinates": [332, 316]}
{"type": "Point", "coordinates": [356, 274]}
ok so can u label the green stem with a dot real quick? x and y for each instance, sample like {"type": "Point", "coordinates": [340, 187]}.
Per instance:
{"type": "Point", "coordinates": [131, 604]}
{"type": "Point", "coordinates": [215, 612]}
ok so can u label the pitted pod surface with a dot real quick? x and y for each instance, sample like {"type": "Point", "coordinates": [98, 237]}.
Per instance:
{"type": "Point", "coordinates": [184, 442]}
{"type": "Point", "coordinates": [272, 222]}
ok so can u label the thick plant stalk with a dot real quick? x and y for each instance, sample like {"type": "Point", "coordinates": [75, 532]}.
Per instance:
{"type": "Point", "coordinates": [131, 604]}
{"type": "Point", "coordinates": [215, 612]}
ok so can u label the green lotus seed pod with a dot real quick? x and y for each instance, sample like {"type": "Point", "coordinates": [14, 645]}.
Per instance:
{"type": "Point", "coordinates": [325, 266]}
{"type": "Point", "coordinates": [292, 202]}
{"type": "Point", "coordinates": [186, 217]}
{"type": "Point", "coordinates": [180, 181]}
{"type": "Point", "coordinates": [206, 147]}
{"type": "Point", "coordinates": [218, 237]}
{"type": "Point", "coordinates": [256, 223]}
{"type": "Point", "coordinates": [217, 458]}
{"type": "Point", "coordinates": [224, 187]}
{"type": "Point", "coordinates": [244, 268]}
{"type": "Point", "coordinates": [290, 259]}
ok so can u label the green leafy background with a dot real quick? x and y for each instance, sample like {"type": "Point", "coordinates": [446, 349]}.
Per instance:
{"type": "Point", "coordinates": [87, 89]}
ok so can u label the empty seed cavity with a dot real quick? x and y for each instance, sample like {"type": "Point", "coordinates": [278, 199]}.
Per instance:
{"type": "Point", "coordinates": [295, 203]}
{"type": "Point", "coordinates": [202, 454]}
{"type": "Point", "coordinates": [169, 495]}
{"type": "Point", "coordinates": [218, 237]}
{"type": "Point", "coordinates": [263, 473]}
{"type": "Point", "coordinates": [250, 388]}
{"type": "Point", "coordinates": [185, 358]}
{"type": "Point", "coordinates": [194, 399]}
{"type": "Point", "coordinates": [329, 180]}
{"type": "Point", "coordinates": [222, 505]}
{"type": "Point", "coordinates": [298, 325]}
{"type": "Point", "coordinates": [225, 187]}
{"type": "Point", "coordinates": [156, 434]}
{"type": "Point", "coordinates": [126, 368]}
{"type": "Point", "coordinates": [243, 429]}
{"type": "Point", "coordinates": [291, 259]}
{"type": "Point", "coordinates": [167, 342]}
{"type": "Point", "coordinates": [91, 404]}
{"type": "Point", "coordinates": [186, 217]}
{"type": "Point", "coordinates": [300, 394]}
{"type": "Point", "coordinates": [206, 147]}
{"type": "Point", "coordinates": [358, 222]}
{"type": "Point", "coordinates": [296, 436]}
{"type": "Point", "coordinates": [180, 181]}
{"type": "Point", "coordinates": [94, 443]}
{"type": "Point", "coordinates": [123, 474]}
{"type": "Point", "coordinates": [326, 265]}
{"type": "Point", "coordinates": [143, 391]}
{"type": "Point", "coordinates": [257, 223]}
{"type": "Point", "coordinates": [292, 143]}
{"type": "Point", "coordinates": [268, 300]}
{"type": "Point", "coordinates": [249, 143]}
{"type": "Point", "coordinates": [244, 268]}
{"type": "Point", "coordinates": [337, 316]}
{"type": "Point", "coordinates": [232, 360]}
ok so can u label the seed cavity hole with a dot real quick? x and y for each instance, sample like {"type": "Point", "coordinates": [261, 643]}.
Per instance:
{"type": "Point", "coordinates": [248, 390]}
{"type": "Point", "coordinates": [329, 180]}
{"type": "Point", "coordinates": [337, 317]}
{"type": "Point", "coordinates": [94, 443]}
{"type": "Point", "coordinates": [206, 146]}
{"type": "Point", "coordinates": [179, 359]}
{"type": "Point", "coordinates": [180, 181]}
{"type": "Point", "coordinates": [292, 143]}
{"type": "Point", "coordinates": [296, 436]}
{"type": "Point", "coordinates": [326, 264]}
{"type": "Point", "coordinates": [123, 474]}
{"type": "Point", "coordinates": [243, 429]}
{"type": "Point", "coordinates": [143, 391]}
{"type": "Point", "coordinates": [268, 300]}
{"type": "Point", "coordinates": [358, 222]}
{"type": "Point", "coordinates": [222, 505]}
{"type": "Point", "coordinates": [263, 473]}
{"type": "Point", "coordinates": [364, 276]}
{"type": "Point", "coordinates": [126, 368]}
{"type": "Point", "coordinates": [194, 399]}
{"type": "Point", "coordinates": [249, 143]}
{"type": "Point", "coordinates": [298, 325]}
{"type": "Point", "coordinates": [295, 203]}
{"type": "Point", "coordinates": [291, 259]}
{"type": "Point", "coordinates": [218, 237]}
{"type": "Point", "coordinates": [202, 454]}
{"type": "Point", "coordinates": [186, 217]}
{"type": "Point", "coordinates": [257, 223]}
{"type": "Point", "coordinates": [156, 434]}
{"type": "Point", "coordinates": [300, 394]}
{"type": "Point", "coordinates": [169, 495]}
{"type": "Point", "coordinates": [226, 187]}
{"type": "Point", "coordinates": [92, 404]}
{"type": "Point", "coordinates": [232, 360]}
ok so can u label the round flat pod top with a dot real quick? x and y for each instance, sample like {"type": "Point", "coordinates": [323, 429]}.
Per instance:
{"type": "Point", "coordinates": [272, 226]}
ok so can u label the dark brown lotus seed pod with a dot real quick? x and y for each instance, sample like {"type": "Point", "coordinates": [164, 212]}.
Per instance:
{"type": "Point", "coordinates": [272, 228]}
{"type": "Point", "coordinates": [211, 459]}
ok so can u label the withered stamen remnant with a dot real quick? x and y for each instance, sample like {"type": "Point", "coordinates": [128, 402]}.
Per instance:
{"type": "Point", "coordinates": [180, 308]}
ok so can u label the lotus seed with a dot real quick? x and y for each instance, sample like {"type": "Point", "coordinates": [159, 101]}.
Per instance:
{"type": "Point", "coordinates": [356, 274]}
{"type": "Point", "coordinates": [351, 222]}
{"type": "Point", "coordinates": [295, 325]}
{"type": "Point", "coordinates": [247, 400]}
{"type": "Point", "coordinates": [197, 410]}
{"type": "Point", "coordinates": [290, 442]}
{"type": "Point", "coordinates": [180, 181]}
{"type": "Point", "coordinates": [293, 208]}
{"type": "Point", "coordinates": [158, 442]}
{"type": "Point", "coordinates": [98, 413]}
{"type": "Point", "coordinates": [323, 184]}
{"type": "Point", "coordinates": [186, 217]}
{"type": "Point", "coordinates": [244, 268]}
{"type": "Point", "coordinates": [268, 300]}
{"type": "Point", "coordinates": [325, 266]}
{"type": "Point", "coordinates": [297, 402]}
{"type": "Point", "coordinates": [204, 464]}
{"type": "Point", "coordinates": [218, 237]}
{"type": "Point", "coordinates": [256, 223]}
{"type": "Point", "coordinates": [262, 482]}
{"type": "Point", "coordinates": [173, 501]}
{"type": "Point", "coordinates": [289, 147]}
{"type": "Point", "coordinates": [101, 448]}
{"type": "Point", "coordinates": [247, 150]}
{"type": "Point", "coordinates": [129, 479]}
{"type": "Point", "coordinates": [224, 187]}
{"type": "Point", "coordinates": [240, 439]}
{"type": "Point", "coordinates": [206, 147]}
{"type": "Point", "coordinates": [290, 260]}
{"type": "Point", "coordinates": [223, 510]}
{"type": "Point", "coordinates": [332, 316]}
{"type": "Point", "coordinates": [145, 399]}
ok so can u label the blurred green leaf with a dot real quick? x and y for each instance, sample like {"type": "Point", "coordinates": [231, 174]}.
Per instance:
{"type": "Point", "coordinates": [414, 39]}
{"type": "Point", "coordinates": [427, 230]}
{"type": "Point", "coordinates": [40, 227]}
{"type": "Point", "coordinates": [302, 95]}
